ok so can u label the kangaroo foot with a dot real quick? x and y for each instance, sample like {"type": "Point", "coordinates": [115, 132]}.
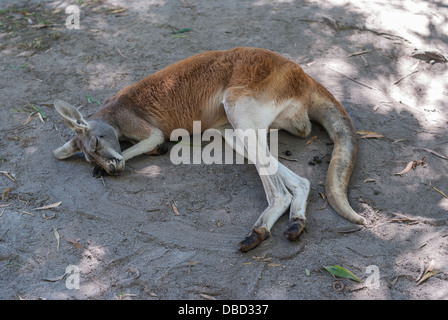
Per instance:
{"type": "Point", "coordinates": [161, 149]}
{"type": "Point", "coordinates": [295, 229]}
{"type": "Point", "coordinates": [257, 235]}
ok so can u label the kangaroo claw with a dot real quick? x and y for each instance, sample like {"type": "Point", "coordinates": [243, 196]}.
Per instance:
{"type": "Point", "coordinates": [98, 172]}
{"type": "Point", "coordinates": [256, 237]}
{"type": "Point", "coordinates": [295, 229]}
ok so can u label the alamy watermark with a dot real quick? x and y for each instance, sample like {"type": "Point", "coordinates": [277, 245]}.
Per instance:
{"type": "Point", "coordinates": [373, 281]}
{"type": "Point", "coordinates": [73, 276]}
{"type": "Point", "coordinates": [73, 20]}
{"type": "Point", "coordinates": [249, 143]}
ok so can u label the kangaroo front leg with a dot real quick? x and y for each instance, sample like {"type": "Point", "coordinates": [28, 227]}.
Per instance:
{"type": "Point", "coordinates": [152, 144]}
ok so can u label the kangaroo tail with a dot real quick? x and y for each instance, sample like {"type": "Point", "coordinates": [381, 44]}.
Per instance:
{"type": "Point", "coordinates": [327, 111]}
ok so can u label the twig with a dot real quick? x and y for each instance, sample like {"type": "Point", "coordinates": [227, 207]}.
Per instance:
{"type": "Point", "coordinates": [8, 175]}
{"type": "Point", "coordinates": [354, 80]}
{"type": "Point", "coordinates": [359, 53]}
{"type": "Point", "coordinates": [121, 53]}
{"type": "Point", "coordinates": [433, 152]}
{"type": "Point", "coordinates": [406, 76]}
{"type": "Point", "coordinates": [28, 213]}
{"type": "Point", "coordinates": [441, 192]}
{"type": "Point", "coordinates": [366, 64]}
{"type": "Point", "coordinates": [174, 206]}
{"type": "Point", "coordinates": [289, 159]}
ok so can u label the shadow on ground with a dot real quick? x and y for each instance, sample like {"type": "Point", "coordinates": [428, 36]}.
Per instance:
{"type": "Point", "coordinates": [122, 233]}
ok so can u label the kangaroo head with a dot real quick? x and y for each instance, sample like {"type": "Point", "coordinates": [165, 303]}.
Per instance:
{"type": "Point", "coordinates": [96, 139]}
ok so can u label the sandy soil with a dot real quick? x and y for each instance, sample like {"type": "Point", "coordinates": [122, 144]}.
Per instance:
{"type": "Point", "coordinates": [122, 233]}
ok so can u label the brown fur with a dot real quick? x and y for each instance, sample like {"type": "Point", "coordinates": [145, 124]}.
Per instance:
{"type": "Point", "coordinates": [192, 89]}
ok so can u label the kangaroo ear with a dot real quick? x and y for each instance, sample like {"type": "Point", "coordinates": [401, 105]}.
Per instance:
{"type": "Point", "coordinates": [72, 117]}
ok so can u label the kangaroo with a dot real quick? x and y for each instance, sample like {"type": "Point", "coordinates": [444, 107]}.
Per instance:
{"type": "Point", "coordinates": [244, 88]}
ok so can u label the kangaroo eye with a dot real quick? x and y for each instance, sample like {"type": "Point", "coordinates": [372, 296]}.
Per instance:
{"type": "Point", "coordinates": [101, 137]}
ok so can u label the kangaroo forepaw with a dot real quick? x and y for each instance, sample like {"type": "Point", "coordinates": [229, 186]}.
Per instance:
{"type": "Point", "coordinates": [161, 149]}
{"type": "Point", "coordinates": [295, 229]}
{"type": "Point", "coordinates": [256, 237]}
{"type": "Point", "coordinates": [99, 172]}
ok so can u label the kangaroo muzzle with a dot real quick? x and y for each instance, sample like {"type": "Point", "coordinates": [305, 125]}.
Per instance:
{"type": "Point", "coordinates": [115, 166]}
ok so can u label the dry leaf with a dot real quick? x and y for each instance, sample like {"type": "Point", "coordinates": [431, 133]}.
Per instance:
{"type": "Point", "coordinates": [338, 286]}
{"type": "Point", "coordinates": [325, 201]}
{"type": "Point", "coordinates": [431, 266]}
{"type": "Point", "coordinates": [4, 193]}
{"type": "Point", "coordinates": [372, 136]}
{"type": "Point", "coordinates": [135, 271]}
{"type": "Point", "coordinates": [272, 264]}
{"type": "Point", "coordinates": [369, 134]}
{"type": "Point", "coordinates": [193, 263]}
{"type": "Point", "coordinates": [40, 117]}
{"type": "Point", "coordinates": [427, 276]}
{"type": "Point", "coordinates": [25, 212]}
{"type": "Point", "coordinates": [121, 53]}
{"type": "Point", "coordinates": [49, 218]}
{"type": "Point", "coordinates": [411, 165]}
{"type": "Point", "coordinates": [289, 159]}
{"type": "Point", "coordinates": [42, 26]}
{"type": "Point", "coordinates": [50, 206]}
{"type": "Point", "coordinates": [311, 140]}
{"type": "Point", "coordinates": [409, 74]}
{"type": "Point", "coordinates": [76, 244]}
{"type": "Point", "coordinates": [266, 259]}
{"type": "Point", "coordinates": [55, 279]}
{"type": "Point", "coordinates": [30, 118]}
{"type": "Point", "coordinates": [206, 296]}
{"type": "Point", "coordinates": [358, 53]}
{"type": "Point", "coordinates": [429, 56]}
{"type": "Point", "coordinates": [56, 234]}
{"type": "Point", "coordinates": [402, 220]}
{"type": "Point", "coordinates": [117, 10]}
{"type": "Point", "coordinates": [441, 192]}
{"type": "Point", "coordinates": [429, 272]}
{"type": "Point", "coordinates": [434, 153]}
{"type": "Point", "coordinates": [176, 212]}
{"type": "Point", "coordinates": [408, 168]}
{"type": "Point", "coordinates": [363, 132]}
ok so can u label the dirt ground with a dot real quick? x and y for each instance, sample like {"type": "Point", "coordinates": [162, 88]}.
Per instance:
{"type": "Point", "coordinates": [122, 233]}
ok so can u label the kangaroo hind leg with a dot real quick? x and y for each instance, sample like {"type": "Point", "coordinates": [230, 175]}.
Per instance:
{"type": "Point", "coordinates": [300, 188]}
{"type": "Point", "coordinates": [250, 117]}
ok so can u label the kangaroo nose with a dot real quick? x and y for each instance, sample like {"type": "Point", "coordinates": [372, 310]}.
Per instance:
{"type": "Point", "coordinates": [116, 166]}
